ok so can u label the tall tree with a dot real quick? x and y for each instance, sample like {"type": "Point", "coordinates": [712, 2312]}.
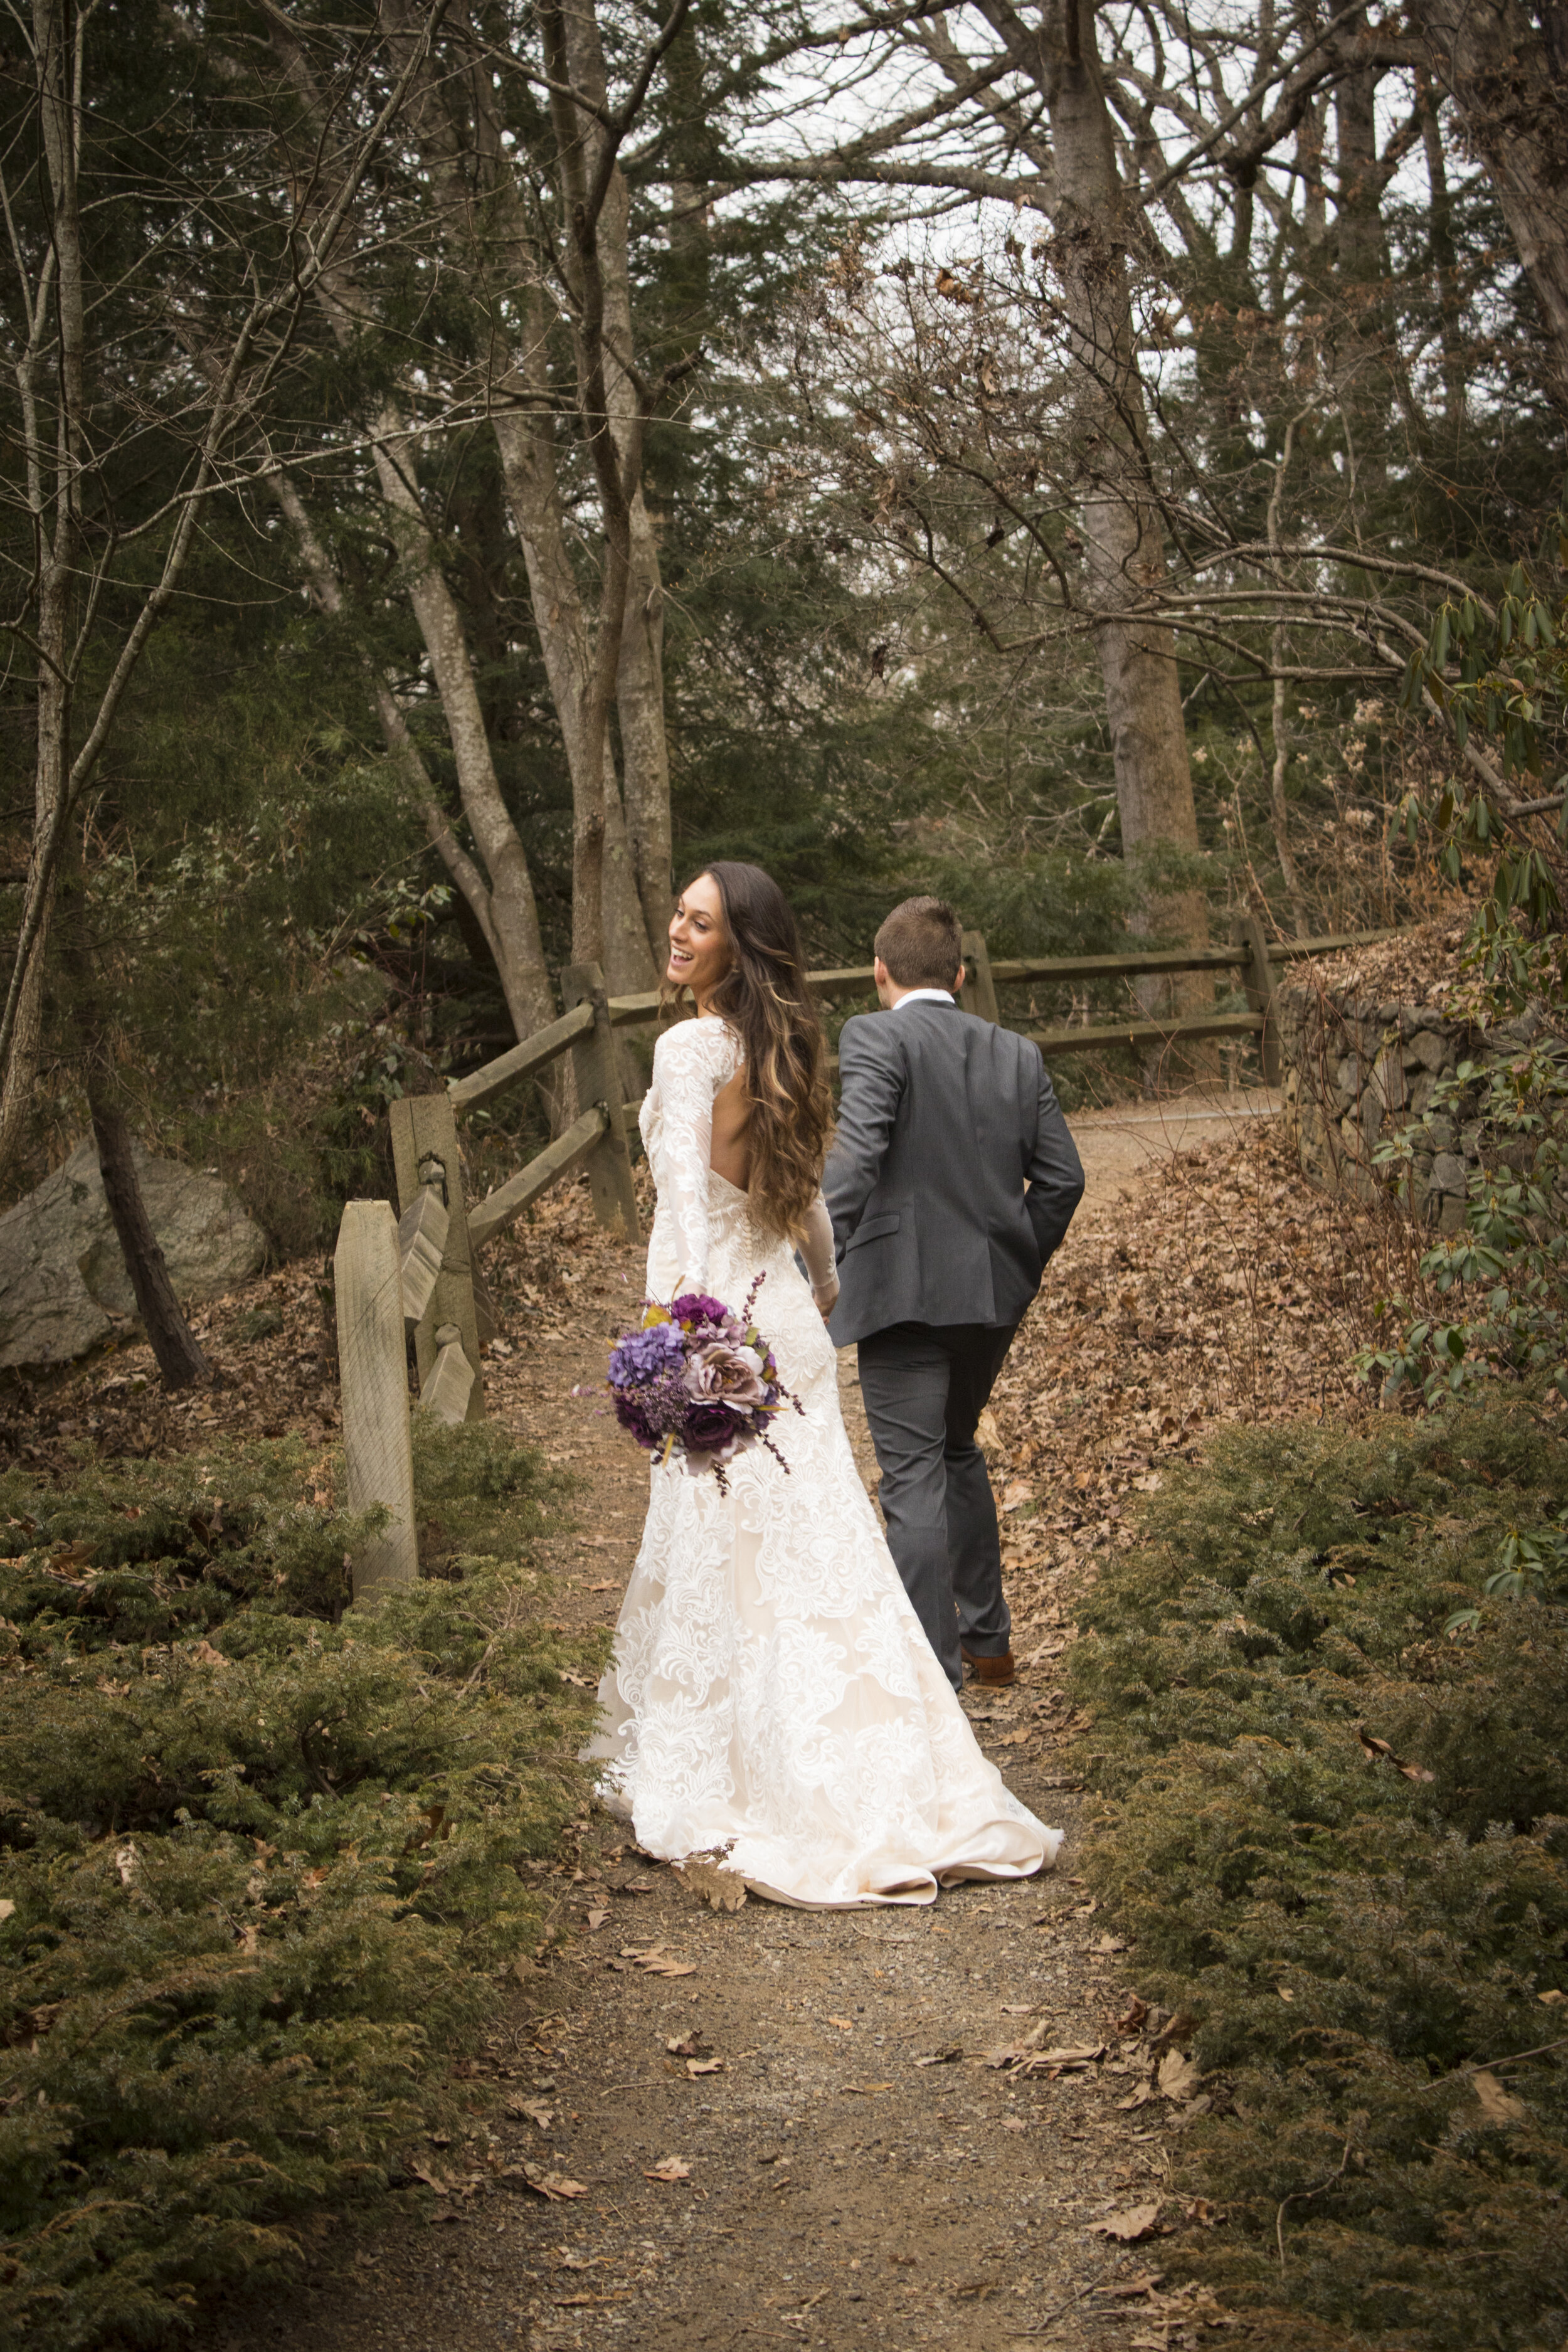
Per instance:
{"type": "Point", "coordinates": [1505, 66]}
{"type": "Point", "coordinates": [113, 445]}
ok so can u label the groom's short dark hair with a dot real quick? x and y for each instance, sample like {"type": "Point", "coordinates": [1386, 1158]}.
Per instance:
{"type": "Point", "coordinates": [922, 943]}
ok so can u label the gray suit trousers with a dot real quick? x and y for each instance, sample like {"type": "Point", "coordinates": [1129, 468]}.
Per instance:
{"type": "Point", "coordinates": [925, 1387]}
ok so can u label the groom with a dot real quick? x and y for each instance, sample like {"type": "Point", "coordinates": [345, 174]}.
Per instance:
{"type": "Point", "coordinates": [950, 1181]}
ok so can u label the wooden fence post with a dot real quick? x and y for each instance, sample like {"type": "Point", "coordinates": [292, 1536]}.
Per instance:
{"type": "Point", "coordinates": [978, 993]}
{"type": "Point", "coordinates": [372, 1356]}
{"type": "Point", "coordinates": [1260, 982]}
{"type": "Point", "coordinates": [599, 1081]}
{"type": "Point", "coordinates": [425, 1147]}
{"type": "Point", "coordinates": [445, 1396]}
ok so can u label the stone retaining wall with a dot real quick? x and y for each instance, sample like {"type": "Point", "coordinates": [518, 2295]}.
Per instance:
{"type": "Point", "coordinates": [1352, 1069]}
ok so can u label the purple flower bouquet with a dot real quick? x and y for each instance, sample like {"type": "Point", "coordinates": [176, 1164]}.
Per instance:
{"type": "Point", "coordinates": [698, 1380]}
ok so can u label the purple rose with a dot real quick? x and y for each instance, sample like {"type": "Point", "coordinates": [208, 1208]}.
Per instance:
{"type": "Point", "coordinates": [712, 1428]}
{"type": "Point", "coordinates": [696, 1306]}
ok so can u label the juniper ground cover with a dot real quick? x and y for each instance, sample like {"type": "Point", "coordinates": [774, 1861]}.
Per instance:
{"type": "Point", "coordinates": [262, 1856]}
{"type": "Point", "coordinates": [1338, 1831]}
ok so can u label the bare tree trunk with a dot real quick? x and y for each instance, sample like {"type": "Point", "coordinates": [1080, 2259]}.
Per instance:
{"type": "Point", "coordinates": [514, 913]}
{"type": "Point", "coordinates": [327, 592]}
{"type": "Point", "coordinates": [56, 307]}
{"type": "Point", "coordinates": [510, 914]}
{"type": "Point", "coordinates": [1445, 256]}
{"type": "Point", "coordinates": [466, 154]}
{"type": "Point", "coordinates": [1278, 805]}
{"type": "Point", "coordinates": [1510, 81]}
{"type": "Point", "coordinates": [1124, 555]}
{"type": "Point", "coordinates": [645, 747]}
{"type": "Point", "coordinates": [180, 1358]}
{"type": "Point", "coordinates": [179, 1354]}
{"type": "Point", "coordinates": [631, 632]}
{"type": "Point", "coordinates": [1360, 358]}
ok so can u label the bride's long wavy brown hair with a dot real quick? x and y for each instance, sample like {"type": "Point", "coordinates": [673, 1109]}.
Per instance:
{"type": "Point", "coordinates": [764, 998]}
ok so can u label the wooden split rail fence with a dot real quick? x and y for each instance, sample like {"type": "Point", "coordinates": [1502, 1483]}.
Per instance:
{"type": "Point", "coordinates": [410, 1277]}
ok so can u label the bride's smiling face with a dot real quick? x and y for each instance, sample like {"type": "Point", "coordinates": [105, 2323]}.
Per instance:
{"type": "Point", "coordinates": [698, 943]}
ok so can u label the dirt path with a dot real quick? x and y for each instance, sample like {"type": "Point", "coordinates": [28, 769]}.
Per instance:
{"type": "Point", "coordinates": [852, 2159]}
{"type": "Point", "coordinates": [1127, 1142]}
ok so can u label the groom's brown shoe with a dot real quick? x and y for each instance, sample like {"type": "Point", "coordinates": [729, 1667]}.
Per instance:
{"type": "Point", "coordinates": [996, 1672]}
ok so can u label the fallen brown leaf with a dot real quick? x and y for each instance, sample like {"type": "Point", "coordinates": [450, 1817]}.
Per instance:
{"type": "Point", "coordinates": [656, 1961]}
{"type": "Point", "coordinates": [1178, 2077]}
{"type": "Point", "coordinates": [1065, 2060]}
{"type": "Point", "coordinates": [1137, 2221]}
{"type": "Point", "coordinates": [534, 2109]}
{"type": "Point", "coordinates": [1499, 2108]}
{"type": "Point", "coordinates": [713, 1885]}
{"type": "Point", "coordinates": [695, 2066]}
{"type": "Point", "coordinates": [554, 2187]}
{"type": "Point", "coordinates": [1125, 2289]}
{"type": "Point", "coordinates": [668, 2169]}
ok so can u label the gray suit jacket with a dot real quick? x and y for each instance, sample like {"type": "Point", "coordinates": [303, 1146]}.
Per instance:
{"type": "Point", "coordinates": [952, 1177]}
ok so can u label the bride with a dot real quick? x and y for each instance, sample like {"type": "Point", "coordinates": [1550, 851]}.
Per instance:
{"type": "Point", "coordinates": [771, 1694]}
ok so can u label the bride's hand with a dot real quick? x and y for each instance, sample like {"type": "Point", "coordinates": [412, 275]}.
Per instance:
{"type": "Point", "coordinates": [826, 1300]}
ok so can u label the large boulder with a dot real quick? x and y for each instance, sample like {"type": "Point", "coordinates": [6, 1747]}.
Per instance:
{"type": "Point", "coordinates": [64, 1287]}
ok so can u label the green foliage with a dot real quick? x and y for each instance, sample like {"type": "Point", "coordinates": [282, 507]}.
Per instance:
{"type": "Point", "coordinates": [1499, 673]}
{"type": "Point", "coordinates": [1506, 1275]}
{"type": "Point", "coordinates": [259, 1858]}
{"type": "Point", "coordinates": [1339, 1838]}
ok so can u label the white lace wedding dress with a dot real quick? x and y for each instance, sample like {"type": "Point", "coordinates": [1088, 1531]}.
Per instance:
{"type": "Point", "coordinates": [770, 1692]}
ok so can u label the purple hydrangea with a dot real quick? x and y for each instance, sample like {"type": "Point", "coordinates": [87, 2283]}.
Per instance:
{"type": "Point", "coordinates": [643, 1355]}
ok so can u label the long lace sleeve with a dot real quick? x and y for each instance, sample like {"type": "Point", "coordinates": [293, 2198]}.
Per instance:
{"type": "Point", "coordinates": [690, 1062]}
{"type": "Point", "coordinates": [817, 1249]}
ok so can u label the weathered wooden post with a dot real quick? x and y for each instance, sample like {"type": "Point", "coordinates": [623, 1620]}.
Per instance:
{"type": "Point", "coordinates": [372, 1356]}
{"type": "Point", "coordinates": [445, 1395]}
{"type": "Point", "coordinates": [598, 1077]}
{"type": "Point", "coordinates": [422, 1231]}
{"type": "Point", "coordinates": [1261, 980]}
{"type": "Point", "coordinates": [978, 993]}
{"type": "Point", "coordinates": [425, 1153]}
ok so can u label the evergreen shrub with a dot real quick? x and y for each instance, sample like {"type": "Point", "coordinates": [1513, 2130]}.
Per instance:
{"type": "Point", "coordinates": [1339, 1834]}
{"type": "Point", "coordinates": [260, 1858]}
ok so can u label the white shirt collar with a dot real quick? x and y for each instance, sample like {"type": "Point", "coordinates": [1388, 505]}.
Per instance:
{"type": "Point", "coordinates": [924, 995]}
